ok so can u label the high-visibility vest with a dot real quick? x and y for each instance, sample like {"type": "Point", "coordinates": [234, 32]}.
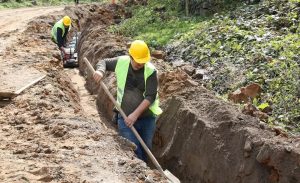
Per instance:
{"type": "Point", "coordinates": [58, 24]}
{"type": "Point", "coordinates": [121, 71]}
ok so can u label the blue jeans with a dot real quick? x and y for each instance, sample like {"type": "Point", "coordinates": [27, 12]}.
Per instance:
{"type": "Point", "coordinates": [145, 127]}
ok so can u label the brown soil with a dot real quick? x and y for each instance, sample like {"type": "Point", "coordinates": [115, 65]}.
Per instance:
{"type": "Point", "coordinates": [52, 131]}
{"type": "Point", "coordinates": [13, 22]}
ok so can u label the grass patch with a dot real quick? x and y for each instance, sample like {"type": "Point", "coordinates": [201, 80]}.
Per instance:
{"type": "Point", "coordinates": [14, 4]}
{"type": "Point", "coordinates": [155, 24]}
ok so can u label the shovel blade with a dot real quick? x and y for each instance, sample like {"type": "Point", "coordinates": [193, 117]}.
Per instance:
{"type": "Point", "coordinates": [171, 177]}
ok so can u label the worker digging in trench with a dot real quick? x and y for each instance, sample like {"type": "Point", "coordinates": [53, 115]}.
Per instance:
{"type": "Point", "coordinates": [137, 86]}
{"type": "Point", "coordinates": [59, 33]}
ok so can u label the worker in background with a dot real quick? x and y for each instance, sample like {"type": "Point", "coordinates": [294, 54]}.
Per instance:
{"type": "Point", "coordinates": [60, 31]}
{"type": "Point", "coordinates": [137, 86]}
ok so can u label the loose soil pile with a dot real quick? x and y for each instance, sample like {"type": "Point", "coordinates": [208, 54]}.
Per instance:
{"type": "Point", "coordinates": [46, 134]}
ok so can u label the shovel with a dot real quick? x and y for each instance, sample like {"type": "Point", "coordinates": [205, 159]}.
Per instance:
{"type": "Point", "coordinates": [165, 173]}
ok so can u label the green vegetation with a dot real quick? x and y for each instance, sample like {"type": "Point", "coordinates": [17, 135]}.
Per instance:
{"type": "Point", "coordinates": [254, 43]}
{"type": "Point", "coordinates": [15, 4]}
{"type": "Point", "coordinates": [4, 4]}
{"type": "Point", "coordinates": [155, 25]}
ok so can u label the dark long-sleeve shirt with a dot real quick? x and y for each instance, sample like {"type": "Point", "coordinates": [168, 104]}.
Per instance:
{"type": "Point", "coordinates": [61, 39]}
{"type": "Point", "coordinates": [134, 87]}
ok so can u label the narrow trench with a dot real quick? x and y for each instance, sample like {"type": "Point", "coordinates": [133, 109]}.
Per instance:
{"type": "Point", "coordinates": [199, 138]}
{"type": "Point", "coordinates": [88, 104]}
{"type": "Point", "coordinates": [97, 107]}
{"type": "Point", "coordinates": [87, 101]}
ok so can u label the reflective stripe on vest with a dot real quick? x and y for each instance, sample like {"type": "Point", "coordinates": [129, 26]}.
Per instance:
{"type": "Point", "coordinates": [59, 24]}
{"type": "Point", "coordinates": [121, 71]}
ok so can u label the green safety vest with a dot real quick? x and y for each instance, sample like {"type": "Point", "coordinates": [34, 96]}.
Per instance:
{"type": "Point", "coordinates": [59, 24]}
{"type": "Point", "coordinates": [121, 71]}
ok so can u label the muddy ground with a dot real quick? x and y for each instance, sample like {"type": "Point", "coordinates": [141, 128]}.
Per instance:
{"type": "Point", "coordinates": [53, 132]}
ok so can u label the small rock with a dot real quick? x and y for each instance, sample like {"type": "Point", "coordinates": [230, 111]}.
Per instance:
{"type": "Point", "coordinates": [248, 146]}
{"type": "Point", "coordinates": [252, 90]}
{"type": "Point", "coordinates": [46, 128]}
{"type": "Point", "coordinates": [149, 179]}
{"type": "Point", "coordinates": [199, 74]}
{"type": "Point", "coordinates": [240, 118]}
{"type": "Point", "coordinates": [141, 176]}
{"type": "Point", "coordinates": [48, 151]}
{"type": "Point", "coordinates": [178, 63]}
{"type": "Point", "coordinates": [43, 37]}
{"type": "Point", "coordinates": [262, 125]}
{"type": "Point", "coordinates": [258, 143]}
{"type": "Point", "coordinates": [38, 150]}
{"type": "Point", "coordinates": [121, 162]}
{"type": "Point", "coordinates": [189, 69]}
{"type": "Point", "coordinates": [19, 151]}
{"type": "Point", "coordinates": [59, 131]}
{"type": "Point", "coordinates": [288, 148]}
{"type": "Point", "coordinates": [241, 95]}
{"type": "Point", "coordinates": [5, 129]}
{"type": "Point", "coordinates": [19, 127]}
{"type": "Point", "coordinates": [133, 165]}
{"type": "Point", "coordinates": [158, 54]}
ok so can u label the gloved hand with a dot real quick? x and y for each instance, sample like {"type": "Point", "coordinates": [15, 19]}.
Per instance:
{"type": "Point", "coordinates": [98, 75]}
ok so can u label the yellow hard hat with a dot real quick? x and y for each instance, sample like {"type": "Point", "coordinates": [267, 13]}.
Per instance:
{"type": "Point", "coordinates": [139, 52]}
{"type": "Point", "coordinates": [67, 21]}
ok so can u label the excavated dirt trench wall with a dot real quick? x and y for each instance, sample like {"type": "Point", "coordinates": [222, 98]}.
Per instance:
{"type": "Point", "coordinates": [203, 139]}
{"type": "Point", "coordinates": [199, 137]}
{"type": "Point", "coordinates": [96, 43]}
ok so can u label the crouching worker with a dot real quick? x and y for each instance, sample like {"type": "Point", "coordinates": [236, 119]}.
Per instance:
{"type": "Point", "coordinates": [60, 31]}
{"type": "Point", "coordinates": [137, 86]}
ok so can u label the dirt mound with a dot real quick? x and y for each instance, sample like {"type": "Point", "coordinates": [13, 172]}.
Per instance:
{"type": "Point", "coordinates": [174, 81]}
{"type": "Point", "coordinates": [46, 136]}
{"type": "Point", "coordinates": [203, 139]}
{"type": "Point", "coordinates": [199, 137]}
